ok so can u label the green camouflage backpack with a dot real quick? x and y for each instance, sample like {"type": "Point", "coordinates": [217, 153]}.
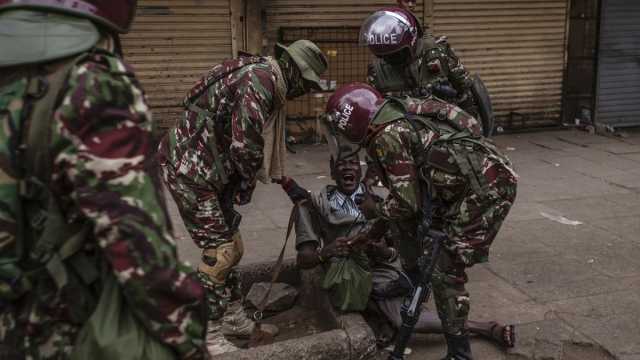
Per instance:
{"type": "Point", "coordinates": [37, 243]}
{"type": "Point", "coordinates": [35, 236]}
{"type": "Point", "coordinates": [460, 149]}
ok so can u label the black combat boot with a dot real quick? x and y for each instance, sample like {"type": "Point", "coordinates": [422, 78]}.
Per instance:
{"type": "Point", "coordinates": [458, 347]}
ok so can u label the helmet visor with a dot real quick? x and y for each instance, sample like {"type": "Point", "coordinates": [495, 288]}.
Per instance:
{"type": "Point", "coordinates": [339, 146]}
{"type": "Point", "coordinates": [383, 28]}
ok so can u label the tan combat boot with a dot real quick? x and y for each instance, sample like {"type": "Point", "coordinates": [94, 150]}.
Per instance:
{"type": "Point", "coordinates": [235, 322]}
{"type": "Point", "coordinates": [216, 342]}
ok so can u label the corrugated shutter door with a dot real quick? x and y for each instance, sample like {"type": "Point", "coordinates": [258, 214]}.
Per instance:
{"type": "Point", "coordinates": [618, 94]}
{"type": "Point", "coordinates": [172, 44]}
{"type": "Point", "coordinates": [517, 47]}
{"type": "Point", "coordinates": [334, 26]}
{"type": "Point", "coordinates": [325, 13]}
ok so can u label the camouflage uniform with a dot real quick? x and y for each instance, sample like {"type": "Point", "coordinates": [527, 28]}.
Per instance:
{"type": "Point", "coordinates": [436, 65]}
{"type": "Point", "coordinates": [470, 215]}
{"type": "Point", "coordinates": [238, 95]}
{"type": "Point", "coordinates": [101, 146]}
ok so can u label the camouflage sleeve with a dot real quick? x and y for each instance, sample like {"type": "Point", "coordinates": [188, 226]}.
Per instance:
{"type": "Point", "coordinates": [249, 115]}
{"type": "Point", "coordinates": [391, 150]}
{"type": "Point", "coordinates": [103, 149]}
{"type": "Point", "coordinates": [458, 74]}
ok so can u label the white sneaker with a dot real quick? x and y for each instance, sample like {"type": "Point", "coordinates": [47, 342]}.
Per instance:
{"type": "Point", "coordinates": [216, 342]}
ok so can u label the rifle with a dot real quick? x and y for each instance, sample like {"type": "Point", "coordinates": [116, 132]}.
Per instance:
{"type": "Point", "coordinates": [427, 261]}
{"type": "Point", "coordinates": [412, 307]}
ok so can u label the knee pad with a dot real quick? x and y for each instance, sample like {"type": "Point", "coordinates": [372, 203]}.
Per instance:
{"type": "Point", "coordinates": [218, 262]}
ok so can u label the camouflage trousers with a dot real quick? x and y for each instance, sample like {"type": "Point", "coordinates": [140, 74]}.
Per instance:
{"type": "Point", "coordinates": [473, 221]}
{"type": "Point", "coordinates": [213, 225]}
{"type": "Point", "coordinates": [471, 224]}
{"type": "Point", "coordinates": [448, 284]}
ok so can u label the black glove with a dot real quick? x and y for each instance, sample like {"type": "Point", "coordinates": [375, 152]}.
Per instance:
{"type": "Point", "coordinates": [368, 204]}
{"type": "Point", "coordinates": [244, 191]}
{"type": "Point", "coordinates": [295, 192]}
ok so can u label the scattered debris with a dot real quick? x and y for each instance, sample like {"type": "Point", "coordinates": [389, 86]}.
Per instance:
{"type": "Point", "coordinates": [510, 148]}
{"type": "Point", "coordinates": [561, 219]}
{"type": "Point", "coordinates": [321, 177]}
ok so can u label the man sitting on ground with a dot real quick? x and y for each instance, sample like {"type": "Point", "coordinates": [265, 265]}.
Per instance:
{"type": "Point", "coordinates": [327, 217]}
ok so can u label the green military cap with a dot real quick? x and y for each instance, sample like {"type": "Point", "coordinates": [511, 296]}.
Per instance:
{"type": "Point", "coordinates": [309, 58]}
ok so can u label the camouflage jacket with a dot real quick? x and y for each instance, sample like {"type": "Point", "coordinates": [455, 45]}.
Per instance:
{"type": "Point", "coordinates": [101, 152]}
{"type": "Point", "coordinates": [396, 153]}
{"type": "Point", "coordinates": [436, 63]}
{"type": "Point", "coordinates": [239, 95]}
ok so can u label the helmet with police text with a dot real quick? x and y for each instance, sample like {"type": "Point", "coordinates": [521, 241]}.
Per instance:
{"type": "Point", "coordinates": [350, 111]}
{"type": "Point", "coordinates": [115, 15]}
{"type": "Point", "coordinates": [391, 34]}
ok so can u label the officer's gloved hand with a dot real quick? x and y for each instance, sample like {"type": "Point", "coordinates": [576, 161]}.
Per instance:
{"type": "Point", "coordinates": [368, 204]}
{"type": "Point", "coordinates": [295, 192]}
{"type": "Point", "coordinates": [244, 191]}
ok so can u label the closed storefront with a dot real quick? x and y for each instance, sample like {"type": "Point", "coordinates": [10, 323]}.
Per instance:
{"type": "Point", "coordinates": [618, 78]}
{"type": "Point", "coordinates": [517, 46]}
{"type": "Point", "coordinates": [332, 24]}
{"type": "Point", "coordinates": [172, 43]}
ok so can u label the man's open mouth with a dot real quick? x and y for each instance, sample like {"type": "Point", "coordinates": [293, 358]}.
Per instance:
{"type": "Point", "coordinates": [349, 178]}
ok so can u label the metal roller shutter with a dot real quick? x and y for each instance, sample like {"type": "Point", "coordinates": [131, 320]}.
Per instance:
{"type": "Point", "coordinates": [172, 43]}
{"type": "Point", "coordinates": [325, 13]}
{"type": "Point", "coordinates": [618, 86]}
{"type": "Point", "coordinates": [334, 26]}
{"type": "Point", "coordinates": [517, 46]}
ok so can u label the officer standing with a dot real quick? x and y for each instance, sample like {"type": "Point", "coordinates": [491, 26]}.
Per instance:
{"type": "Point", "coordinates": [78, 206]}
{"type": "Point", "coordinates": [231, 136]}
{"type": "Point", "coordinates": [410, 62]}
{"type": "Point", "coordinates": [423, 150]}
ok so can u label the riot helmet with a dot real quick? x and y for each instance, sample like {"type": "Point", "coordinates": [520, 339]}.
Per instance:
{"type": "Point", "coordinates": [392, 34]}
{"type": "Point", "coordinates": [115, 15]}
{"type": "Point", "coordinates": [348, 115]}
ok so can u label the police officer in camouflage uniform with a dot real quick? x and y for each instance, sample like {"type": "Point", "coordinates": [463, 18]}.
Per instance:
{"type": "Point", "coordinates": [232, 134]}
{"type": "Point", "coordinates": [78, 204]}
{"type": "Point", "coordinates": [410, 62]}
{"type": "Point", "coordinates": [423, 150]}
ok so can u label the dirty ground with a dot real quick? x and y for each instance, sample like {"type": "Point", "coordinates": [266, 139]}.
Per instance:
{"type": "Point", "coordinates": [565, 267]}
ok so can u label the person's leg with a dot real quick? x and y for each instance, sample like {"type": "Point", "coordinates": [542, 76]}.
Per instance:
{"type": "Point", "coordinates": [452, 303]}
{"type": "Point", "coordinates": [428, 322]}
{"type": "Point", "coordinates": [503, 335]}
{"type": "Point", "coordinates": [206, 220]}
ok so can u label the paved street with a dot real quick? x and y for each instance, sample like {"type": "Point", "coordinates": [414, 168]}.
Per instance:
{"type": "Point", "coordinates": [566, 265]}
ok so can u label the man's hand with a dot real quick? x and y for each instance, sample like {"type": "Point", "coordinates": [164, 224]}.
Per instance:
{"type": "Point", "coordinates": [244, 191]}
{"type": "Point", "coordinates": [295, 192]}
{"type": "Point", "coordinates": [368, 204]}
{"type": "Point", "coordinates": [340, 247]}
{"type": "Point", "coordinates": [358, 240]}
{"type": "Point", "coordinates": [378, 249]}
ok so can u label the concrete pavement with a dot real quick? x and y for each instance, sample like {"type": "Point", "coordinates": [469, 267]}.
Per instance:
{"type": "Point", "coordinates": [565, 267]}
